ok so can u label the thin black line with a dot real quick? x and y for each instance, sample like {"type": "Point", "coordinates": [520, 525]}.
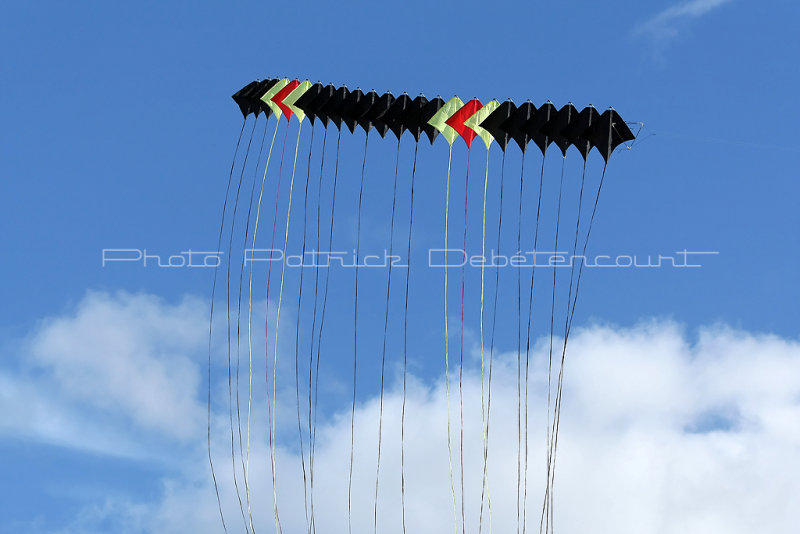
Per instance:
{"type": "Point", "coordinates": [385, 334]}
{"type": "Point", "coordinates": [238, 321]}
{"type": "Point", "coordinates": [314, 314]}
{"type": "Point", "coordinates": [322, 323]}
{"type": "Point", "coordinates": [550, 356]}
{"type": "Point", "coordinates": [405, 350]}
{"type": "Point", "coordinates": [556, 408]}
{"type": "Point", "coordinates": [586, 244]}
{"type": "Point", "coordinates": [355, 343]}
{"type": "Point", "coordinates": [228, 316]}
{"type": "Point", "coordinates": [519, 344]}
{"type": "Point", "coordinates": [211, 321]}
{"type": "Point", "coordinates": [528, 348]}
{"type": "Point", "coordinates": [311, 341]}
{"type": "Point", "coordinates": [491, 343]}
{"type": "Point", "coordinates": [297, 332]}
{"type": "Point", "coordinates": [557, 414]}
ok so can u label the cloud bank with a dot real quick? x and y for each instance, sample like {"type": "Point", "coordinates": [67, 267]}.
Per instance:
{"type": "Point", "coordinates": [663, 431]}
{"type": "Point", "coordinates": [117, 368]}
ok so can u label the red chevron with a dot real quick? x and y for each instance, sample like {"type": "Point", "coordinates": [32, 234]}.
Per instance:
{"type": "Point", "coordinates": [283, 93]}
{"type": "Point", "coordinates": [456, 120]}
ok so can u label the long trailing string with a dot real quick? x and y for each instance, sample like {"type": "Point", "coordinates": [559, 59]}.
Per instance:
{"type": "Point", "coordinates": [321, 328]}
{"type": "Point", "coordinates": [385, 334]}
{"type": "Point", "coordinates": [311, 341]}
{"type": "Point", "coordinates": [519, 344]}
{"type": "Point", "coordinates": [238, 325]}
{"type": "Point", "coordinates": [405, 351]}
{"type": "Point", "coordinates": [278, 318]}
{"type": "Point", "coordinates": [553, 439]}
{"type": "Point", "coordinates": [270, 407]}
{"type": "Point", "coordinates": [528, 347]}
{"type": "Point", "coordinates": [447, 343]}
{"type": "Point", "coordinates": [552, 426]}
{"type": "Point", "coordinates": [557, 415]}
{"type": "Point", "coordinates": [484, 480]}
{"type": "Point", "coordinates": [461, 346]}
{"type": "Point", "coordinates": [585, 246]}
{"type": "Point", "coordinates": [297, 331]}
{"type": "Point", "coordinates": [250, 321]}
{"type": "Point", "coordinates": [355, 342]}
{"type": "Point", "coordinates": [210, 327]}
{"type": "Point", "coordinates": [545, 503]}
{"type": "Point", "coordinates": [228, 328]}
{"type": "Point", "coordinates": [491, 354]}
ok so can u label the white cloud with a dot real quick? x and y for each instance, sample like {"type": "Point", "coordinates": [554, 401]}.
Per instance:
{"type": "Point", "coordinates": [129, 354]}
{"type": "Point", "coordinates": [665, 24]}
{"type": "Point", "coordinates": [663, 431]}
{"type": "Point", "coordinates": [117, 370]}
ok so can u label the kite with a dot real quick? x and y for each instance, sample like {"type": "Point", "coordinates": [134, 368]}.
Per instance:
{"type": "Point", "coordinates": [505, 124]}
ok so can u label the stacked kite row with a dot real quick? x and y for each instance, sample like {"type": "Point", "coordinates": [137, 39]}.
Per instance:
{"type": "Point", "coordinates": [492, 121]}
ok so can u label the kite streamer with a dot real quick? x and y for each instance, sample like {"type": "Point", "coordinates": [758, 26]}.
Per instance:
{"type": "Point", "coordinates": [238, 331]}
{"type": "Point", "coordinates": [211, 322]}
{"type": "Point", "coordinates": [491, 354]}
{"type": "Point", "coordinates": [297, 333]}
{"type": "Point", "coordinates": [321, 328]}
{"type": "Point", "coordinates": [385, 334]}
{"type": "Point", "coordinates": [355, 338]}
{"type": "Point", "coordinates": [500, 124]}
{"type": "Point", "coordinates": [405, 348]}
{"type": "Point", "coordinates": [228, 314]}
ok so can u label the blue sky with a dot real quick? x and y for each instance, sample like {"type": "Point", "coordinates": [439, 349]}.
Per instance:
{"type": "Point", "coordinates": [118, 132]}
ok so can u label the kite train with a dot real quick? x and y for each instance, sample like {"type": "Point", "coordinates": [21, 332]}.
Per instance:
{"type": "Point", "coordinates": [565, 127]}
{"type": "Point", "coordinates": [343, 330]}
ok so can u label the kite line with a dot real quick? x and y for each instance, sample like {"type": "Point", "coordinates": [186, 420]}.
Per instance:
{"type": "Point", "coordinates": [586, 130]}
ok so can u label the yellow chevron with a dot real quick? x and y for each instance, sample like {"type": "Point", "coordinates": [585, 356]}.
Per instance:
{"type": "Point", "coordinates": [478, 117]}
{"type": "Point", "coordinates": [294, 96]}
{"type": "Point", "coordinates": [439, 120]}
{"type": "Point", "coordinates": [267, 98]}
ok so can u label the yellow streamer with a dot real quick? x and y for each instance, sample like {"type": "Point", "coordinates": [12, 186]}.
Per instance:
{"type": "Point", "coordinates": [277, 323]}
{"type": "Point", "coordinates": [447, 345]}
{"type": "Point", "coordinates": [250, 329]}
{"type": "Point", "coordinates": [484, 415]}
